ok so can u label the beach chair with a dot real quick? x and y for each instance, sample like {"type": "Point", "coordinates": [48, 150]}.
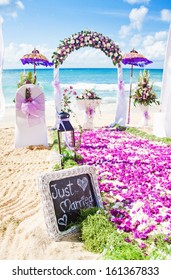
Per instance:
{"type": "Point", "coordinates": [30, 127]}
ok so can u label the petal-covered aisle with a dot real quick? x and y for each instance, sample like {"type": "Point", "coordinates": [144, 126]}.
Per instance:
{"type": "Point", "coordinates": [134, 177]}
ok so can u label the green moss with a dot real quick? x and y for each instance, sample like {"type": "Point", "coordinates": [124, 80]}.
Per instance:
{"type": "Point", "coordinates": [159, 247]}
{"type": "Point", "coordinates": [95, 231]}
{"type": "Point", "coordinates": [117, 248]}
{"type": "Point", "coordinates": [99, 235]}
{"type": "Point", "coordinates": [148, 136]}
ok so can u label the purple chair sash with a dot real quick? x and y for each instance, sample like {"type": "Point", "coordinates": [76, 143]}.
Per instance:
{"type": "Point", "coordinates": [32, 108]}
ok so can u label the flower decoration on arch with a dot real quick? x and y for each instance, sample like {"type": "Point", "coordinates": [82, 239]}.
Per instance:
{"type": "Point", "coordinates": [86, 39]}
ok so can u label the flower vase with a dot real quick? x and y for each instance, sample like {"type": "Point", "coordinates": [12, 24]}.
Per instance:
{"type": "Point", "coordinates": [144, 115]}
{"type": "Point", "coordinates": [89, 106]}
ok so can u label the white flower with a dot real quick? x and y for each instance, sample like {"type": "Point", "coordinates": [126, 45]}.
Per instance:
{"type": "Point", "coordinates": [119, 197]}
{"type": "Point", "coordinates": [118, 205]}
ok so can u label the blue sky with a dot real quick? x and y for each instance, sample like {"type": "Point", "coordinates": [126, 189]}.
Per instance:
{"type": "Point", "coordinates": [142, 24]}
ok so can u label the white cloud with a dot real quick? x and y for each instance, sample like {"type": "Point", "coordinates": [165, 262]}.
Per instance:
{"type": "Point", "coordinates": [135, 41]}
{"type": "Point", "coordinates": [151, 46]}
{"type": "Point", "coordinates": [165, 15]}
{"type": "Point", "coordinates": [125, 30]}
{"type": "Point", "coordinates": [19, 5]}
{"type": "Point", "coordinates": [13, 14]}
{"type": "Point", "coordinates": [155, 51]}
{"type": "Point", "coordinates": [14, 52]}
{"type": "Point", "coordinates": [161, 35]}
{"type": "Point", "coordinates": [4, 2]}
{"type": "Point", "coordinates": [136, 17]}
{"type": "Point", "coordinates": [10, 8]}
{"type": "Point", "coordinates": [137, 1]}
{"type": "Point", "coordinates": [88, 57]}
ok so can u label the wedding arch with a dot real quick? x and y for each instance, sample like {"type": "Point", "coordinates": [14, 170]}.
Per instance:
{"type": "Point", "coordinates": [98, 41]}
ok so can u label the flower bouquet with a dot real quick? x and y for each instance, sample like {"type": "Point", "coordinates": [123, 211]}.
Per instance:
{"type": "Point", "coordinates": [144, 95]}
{"type": "Point", "coordinates": [88, 94]}
{"type": "Point", "coordinates": [88, 101]}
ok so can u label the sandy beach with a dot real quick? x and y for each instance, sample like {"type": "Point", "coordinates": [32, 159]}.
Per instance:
{"type": "Point", "coordinates": [23, 233]}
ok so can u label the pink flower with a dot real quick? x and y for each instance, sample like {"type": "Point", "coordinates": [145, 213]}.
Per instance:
{"type": "Point", "coordinates": [135, 169]}
{"type": "Point", "coordinates": [143, 245]}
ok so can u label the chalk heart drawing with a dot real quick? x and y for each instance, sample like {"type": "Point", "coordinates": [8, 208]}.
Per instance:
{"type": "Point", "coordinates": [63, 221]}
{"type": "Point", "coordinates": [82, 183]}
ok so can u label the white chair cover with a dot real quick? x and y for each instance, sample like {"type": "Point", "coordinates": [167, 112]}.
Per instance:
{"type": "Point", "coordinates": [30, 128]}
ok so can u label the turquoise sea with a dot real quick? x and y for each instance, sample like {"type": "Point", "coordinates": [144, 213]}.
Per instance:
{"type": "Point", "coordinates": [102, 80]}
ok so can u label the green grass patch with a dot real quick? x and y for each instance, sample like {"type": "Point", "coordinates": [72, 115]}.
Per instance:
{"type": "Point", "coordinates": [159, 247]}
{"type": "Point", "coordinates": [118, 248]}
{"type": "Point", "coordinates": [99, 235]}
{"type": "Point", "coordinates": [148, 136]}
{"type": "Point", "coordinates": [95, 230]}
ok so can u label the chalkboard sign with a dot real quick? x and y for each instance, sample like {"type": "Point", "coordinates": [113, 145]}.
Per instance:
{"type": "Point", "coordinates": [64, 193]}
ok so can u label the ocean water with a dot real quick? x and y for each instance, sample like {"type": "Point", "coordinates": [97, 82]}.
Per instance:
{"type": "Point", "coordinates": [102, 80]}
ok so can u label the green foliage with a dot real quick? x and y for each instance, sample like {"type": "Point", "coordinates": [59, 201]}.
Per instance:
{"type": "Point", "coordinates": [148, 136]}
{"type": "Point", "coordinates": [117, 248]}
{"type": "Point", "coordinates": [95, 231]}
{"type": "Point", "coordinates": [69, 163]}
{"type": "Point", "coordinates": [159, 247]}
{"type": "Point", "coordinates": [56, 167]}
{"type": "Point", "coordinates": [100, 236]}
{"type": "Point", "coordinates": [83, 214]}
{"type": "Point", "coordinates": [26, 79]}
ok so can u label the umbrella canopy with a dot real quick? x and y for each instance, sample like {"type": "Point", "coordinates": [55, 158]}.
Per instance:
{"type": "Point", "coordinates": [35, 58]}
{"type": "Point", "coordinates": [134, 58]}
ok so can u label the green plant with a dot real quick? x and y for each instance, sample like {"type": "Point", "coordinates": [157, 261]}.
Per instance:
{"type": "Point", "coordinates": [56, 167]}
{"type": "Point", "coordinates": [95, 230]}
{"type": "Point", "coordinates": [119, 246]}
{"type": "Point", "coordinates": [26, 79]}
{"type": "Point", "coordinates": [144, 93]}
{"type": "Point", "coordinates": [148, 136]}
{"type": "Point", "coordinates": [159, 247]}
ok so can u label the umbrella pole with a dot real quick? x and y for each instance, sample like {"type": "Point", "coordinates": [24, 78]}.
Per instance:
{"type": "Point", "coordinates": [129, 105]}
{"type": "Point", "coordinates": [34, 68]}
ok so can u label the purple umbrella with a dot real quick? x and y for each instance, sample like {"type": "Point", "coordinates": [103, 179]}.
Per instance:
{"type": "Point", "coordinates": [134, 59]}
{"type": "Point", "coordinates": [35, 58]}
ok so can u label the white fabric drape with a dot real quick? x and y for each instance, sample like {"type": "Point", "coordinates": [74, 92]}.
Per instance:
{"type": "Point", "coordinates": [162, 120]}
{"type": "Point", "coordinates": [166, 89]}
{"type": "Point", "coordinates": [58, 96]}
{"type": "Point", "coordinates": [121, 105]}
{"type": "Point", "coordinates": [2, 99]}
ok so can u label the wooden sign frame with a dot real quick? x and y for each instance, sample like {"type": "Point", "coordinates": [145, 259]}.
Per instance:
{"type": "Point", "coordinates": [45, 187]}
